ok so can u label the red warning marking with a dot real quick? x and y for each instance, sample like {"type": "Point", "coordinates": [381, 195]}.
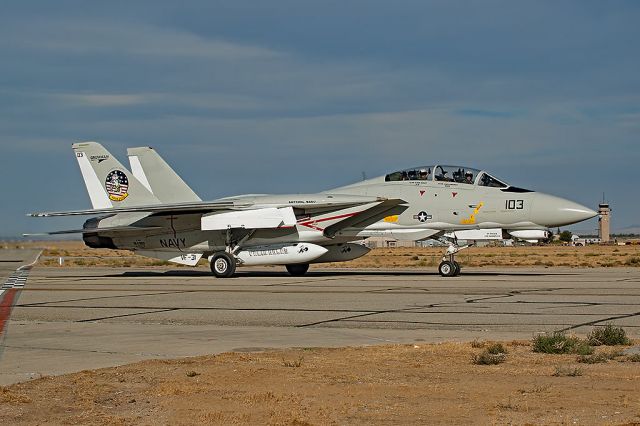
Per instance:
{"type": "Point", "coordinates": [312, 223]}
{"type": "Point", "coordinates": [454, 194]}
{"type": "Point", "coordinates": [421, 193]}
{"type": "Point", "coordinates": [5, 307]}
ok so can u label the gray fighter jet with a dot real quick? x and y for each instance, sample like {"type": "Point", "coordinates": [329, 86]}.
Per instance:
{"type": "Point", "coordinates": [150, 210]}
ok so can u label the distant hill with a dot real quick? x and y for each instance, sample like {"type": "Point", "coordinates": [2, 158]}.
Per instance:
{"type": "Point", "coordinates": [633, 229]}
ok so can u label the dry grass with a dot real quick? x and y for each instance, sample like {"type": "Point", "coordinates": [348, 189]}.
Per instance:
{"type": "Point", "coordinates": [527, 256]}
{"type": "Point", "coordinates": [76, 254]}
{"type": "Point", "coordinates": [399, 384]}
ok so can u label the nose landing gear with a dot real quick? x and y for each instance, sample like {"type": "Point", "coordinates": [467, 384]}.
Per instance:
{"type": "Point", "coordinates": [449, 267]}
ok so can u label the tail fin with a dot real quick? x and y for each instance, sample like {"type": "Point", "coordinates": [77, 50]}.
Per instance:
{"type": "Point", "coordinates": [158, 177]}
{"type": "Point", "coordinates": [108, 183]}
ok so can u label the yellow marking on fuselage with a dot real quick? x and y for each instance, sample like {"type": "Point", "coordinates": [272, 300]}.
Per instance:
{"type": "Point", "coordinates": [472, 219]}
{"type": "Point", "coordinates": [391, 219]}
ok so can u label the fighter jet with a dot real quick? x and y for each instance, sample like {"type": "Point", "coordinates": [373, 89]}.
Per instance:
{"type": "Point", "coordinates": [151, 211]}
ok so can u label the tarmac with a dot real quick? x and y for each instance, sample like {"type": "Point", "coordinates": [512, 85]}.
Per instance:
{"type": "Point", "coordinates": [71, 319]}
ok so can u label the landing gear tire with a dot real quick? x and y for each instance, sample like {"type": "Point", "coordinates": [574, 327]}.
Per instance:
{"type": "Point", "coordinates": [223, 265]}
{"type": "Point", "coordinates": [458, 268]}
{"type": "Point", "coordinates": [447, 269]}
{"type": "Point", "coordinates": [298, 269]}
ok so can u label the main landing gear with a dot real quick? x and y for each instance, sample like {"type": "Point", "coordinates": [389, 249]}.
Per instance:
{"type": "Point", "coordinates": [449, 267]}
{"type": "Point", "coordinates": [223, 265]}
{"type": "Point", "coordinates": [298, 269]}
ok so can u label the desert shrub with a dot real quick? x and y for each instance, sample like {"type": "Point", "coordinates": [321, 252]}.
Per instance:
{"type": "Point", "coordinates": [486, 358]}
{"type": "Point", "coordinates": [633, 261]}
{"type": "Point", "coordinates": [559, 343]}
{"type": "Point", "coordinates": [609, 335]}
{"type": "Point", "coordinates": [493, 354]}
{"type": "Point", "coordinates": [293, 363]}
{"type": "Point", "coordinates": [593, 358]}
{"type": "Point", "coordinates": [633, 358]}
{"type": "Point", "coordinates": [478, 344]}
{"type": "Point", "coordinates": [565, 371]}
{"type": "Point", "coordinates": [583, 348]}
{"type": "Point", "coordinates": [496, 349]}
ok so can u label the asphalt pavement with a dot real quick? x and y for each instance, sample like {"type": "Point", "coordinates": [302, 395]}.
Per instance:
{"type": "Point", "coordinates": [69, 319]}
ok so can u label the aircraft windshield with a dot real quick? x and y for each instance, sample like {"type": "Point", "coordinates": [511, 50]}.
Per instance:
{"type": "Point", "coordinates": [490, 181]}
{"type": "Point", "coordinates": [416, 173]}
{"type": "Point", "coordinates": [455, 174]}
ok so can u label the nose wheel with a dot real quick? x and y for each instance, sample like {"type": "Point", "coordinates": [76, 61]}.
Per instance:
{"type": "Point", "coordinates": [449, 268]}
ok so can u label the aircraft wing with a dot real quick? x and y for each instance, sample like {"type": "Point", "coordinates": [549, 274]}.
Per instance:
{"type": "Point", "coordinates": [374, 213]}
{"type": "Point", "coordinates": [330, 203]}
{"type": "Point", "coordinates": [175, 208]}
{"type": "Point", "coordinates": [333, 221]}
{"type": "Point", "coordinates": [86, 230]}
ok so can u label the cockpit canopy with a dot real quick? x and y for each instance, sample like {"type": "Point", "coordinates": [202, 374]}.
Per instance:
{"type": "Point", "coordinates": [455, 174]}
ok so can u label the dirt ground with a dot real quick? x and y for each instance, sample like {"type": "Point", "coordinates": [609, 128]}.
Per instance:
{"type": "Point", "coordinates": [402, 384]}
{"type": "Point", "coordinates": [75, 253]}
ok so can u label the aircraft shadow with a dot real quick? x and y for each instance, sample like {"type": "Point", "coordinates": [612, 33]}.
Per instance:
{"type": "Point", "coordinates": [283, 274]}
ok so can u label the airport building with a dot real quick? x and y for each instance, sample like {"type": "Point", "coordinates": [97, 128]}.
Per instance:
{"type": "Point", "coordinates": [604, 225]}
{"type": "Point", "coordinates": [384, 242]}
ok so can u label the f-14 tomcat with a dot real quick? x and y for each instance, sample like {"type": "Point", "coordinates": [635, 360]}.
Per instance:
{"type": "Point", "coordinates": [153, 212]}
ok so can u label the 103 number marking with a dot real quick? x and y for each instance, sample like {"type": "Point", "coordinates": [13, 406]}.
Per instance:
{"type": "Point", "coordinates": [514, 204]}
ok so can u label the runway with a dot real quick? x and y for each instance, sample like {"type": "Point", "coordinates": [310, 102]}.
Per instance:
{"type": "Point", "coordinates": [69, 319]}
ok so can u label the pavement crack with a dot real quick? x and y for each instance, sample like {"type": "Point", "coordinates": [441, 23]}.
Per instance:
{"type": "Point", "coordinates": [128, 315]}
{"type": "Point", "coordinates": [608, 319]}
{"type": "Point", "coordinates": [84, 299]}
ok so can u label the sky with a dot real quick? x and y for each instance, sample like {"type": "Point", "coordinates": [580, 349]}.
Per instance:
{"type": "Point", "coordinates": [300, 96]}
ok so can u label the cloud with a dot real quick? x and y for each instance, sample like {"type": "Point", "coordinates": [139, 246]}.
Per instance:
{"type": "Point", "coordinates": [101, 100]}
{"type": "Point", "coordinates": [291, 96]}
{"type": "Point", "coordinates": [125, 38]}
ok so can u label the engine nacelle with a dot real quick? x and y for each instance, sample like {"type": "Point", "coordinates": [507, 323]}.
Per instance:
{"type": "Point", "coordinates": [280, 254]}
{"type": "Point", "coordinates": [342, 253]}
{"type": "Point", "coordinates": [530, 234]}
{"type": "Point", "coordinates": [94, 240]}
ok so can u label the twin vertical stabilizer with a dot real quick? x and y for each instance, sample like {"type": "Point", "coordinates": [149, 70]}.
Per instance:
{"type": "Point", "coordinates": [158, 177]}
{"type": "Point", "coordinates": [108, 182]}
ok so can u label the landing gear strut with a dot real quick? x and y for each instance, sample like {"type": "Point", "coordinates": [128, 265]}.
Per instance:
{"type": "Point", "coordinates": [449, 267]}
{"type": "Point", "coordinates": [223, 264]}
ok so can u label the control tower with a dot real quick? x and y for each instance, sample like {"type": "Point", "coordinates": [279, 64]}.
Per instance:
{"type": "Point", "coordinates": [604, 213]}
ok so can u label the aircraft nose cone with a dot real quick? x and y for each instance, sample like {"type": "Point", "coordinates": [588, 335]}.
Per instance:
{"type": "Point", "coordinates": [552, 211]}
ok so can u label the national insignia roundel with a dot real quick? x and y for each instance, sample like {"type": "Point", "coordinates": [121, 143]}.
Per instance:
{"type": "Point", "coordinates": [117, 185]}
